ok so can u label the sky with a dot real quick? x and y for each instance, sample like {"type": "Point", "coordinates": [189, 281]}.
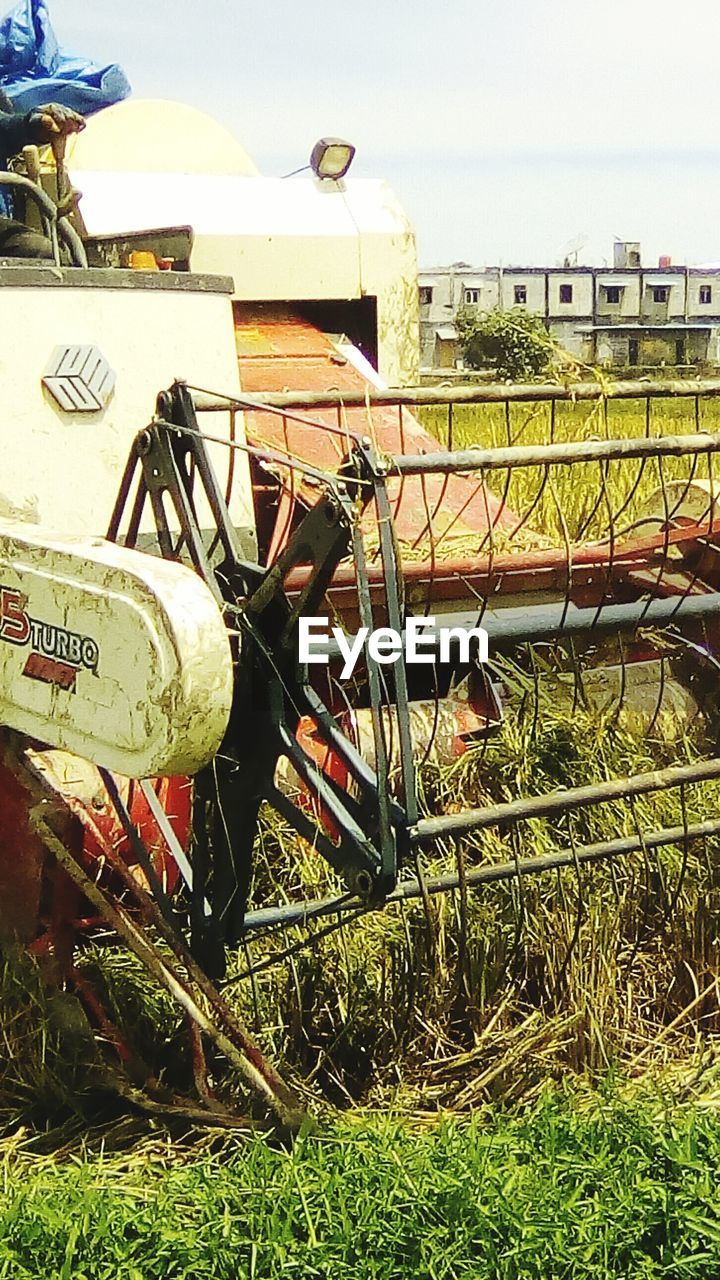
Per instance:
{"type": "Point", "coordinates": [513, 131]}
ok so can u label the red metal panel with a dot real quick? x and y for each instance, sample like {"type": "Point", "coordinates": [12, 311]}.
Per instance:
{"type": "Point", "coordinates": [277, 351]}
{"type": "Point", "coordinates": [21, 861]}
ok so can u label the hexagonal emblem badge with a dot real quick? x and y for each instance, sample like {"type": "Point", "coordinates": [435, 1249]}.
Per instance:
{"type": "Point", "coordinates": [79, 379]}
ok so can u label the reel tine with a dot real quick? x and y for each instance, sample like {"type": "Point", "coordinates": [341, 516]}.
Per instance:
{"type": "Point", "coordinates": [463, 958]}
{"type": "Point", "coordinates": [526, 422]}
{"type": "Point", "coordinates": [611, 534]}
{"type": "Point", "coordinates": [579, 694]}
{"type": "Point", "coordinates": [492, 521]}
{"type": "Point", "coordinates": [535, 506]}
{"type": "Point", "coordinates": [517, 892]}
{"type": "Point", "coordinates": [579, 915]}
{"type": "Point", "coordinates": [633, 490]}
{"type": "Point", "coordinates": [674, 900]}
{"type": "Point", "coordinates": [401, 482]}
{"type": "Point", "coordinates": [432, 735]}
{"type": "Point", "coordinates": [642, 924]}
{"type": "Point", "coordinates": [694, 575]}
{"type": "Point", "coordinates": [429, 525]}
{"type": "Point", "coordinates": [567, 545]}
{"type": "Point", "coordinates": [428, 528]}
{"type": "Point", "coordinates": [536, 693]}
{"type": "Point", "coordinates": [660, 695]}
{"type": "Point", "coordinates": [280, 537]}
{"type": "Point", "coordinates": [586, 522]}
{"type": "Point", "coordinates": [230, 475]}
{"type": "Point", "coordinates": [615, 719]}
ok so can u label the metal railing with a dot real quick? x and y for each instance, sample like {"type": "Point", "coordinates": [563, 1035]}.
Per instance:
{"type": "Point", "coordinates": [487, 393]}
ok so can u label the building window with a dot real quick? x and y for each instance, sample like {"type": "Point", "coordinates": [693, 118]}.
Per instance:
{"type": "Point", "coordinates": [426, 295]}
{"type": "Point", "coordinates": [472, 296]}
{"type": "Point", "coordinates": [566, 292]}
{"type": "Point", "coordinates": [705, 294]}
{"type": "Point", "coordinates": [612, 294]}
{"type": "Point", "coordinates": [520, 294]}
{"type": "Point", "coordinates": [660, 293]}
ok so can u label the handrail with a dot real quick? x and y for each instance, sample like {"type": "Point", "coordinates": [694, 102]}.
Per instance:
{"type": "Point", "coordinates": [487, 393]}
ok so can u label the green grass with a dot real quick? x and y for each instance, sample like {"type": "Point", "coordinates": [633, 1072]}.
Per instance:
{"type": "Point", "coordinates": [589, 1187]}
{"type": "Point", "coordinates": [585, 501]}
{"type": "Point", "coordinates": [494, 425]}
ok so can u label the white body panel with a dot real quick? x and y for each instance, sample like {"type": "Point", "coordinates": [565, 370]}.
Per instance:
{"type": "Point", "coordinates": [113, 655]}
{"type": "Point", "coordinates": [63, 469]}
{"type": "Point", "coordinates": [159, 135]}
{"type": "Point", "coordinates": [292, 240]}
{"type": "Point", "coordinates": [146, 163]}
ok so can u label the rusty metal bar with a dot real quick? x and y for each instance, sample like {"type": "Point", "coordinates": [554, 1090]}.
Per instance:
{"type": "Point", "coordinates": [247, 1060]}
{"type": "Point", "coordinates": [303, 913]}
{"type": "Point", "coordinates": [487, 393]}
{"type": "Point", "coordinates": [543, 455]}
{"type": "Point", "coordinates": [427, 830]}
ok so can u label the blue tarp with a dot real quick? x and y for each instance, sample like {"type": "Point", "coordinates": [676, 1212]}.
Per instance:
{"type": "Point", "coordinates": [34, 70]}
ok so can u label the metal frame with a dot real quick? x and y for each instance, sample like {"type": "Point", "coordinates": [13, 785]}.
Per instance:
{"type": "Point", "coordinates": [480, 393]}
{"type": "Point", "coordinates": [272, 690]}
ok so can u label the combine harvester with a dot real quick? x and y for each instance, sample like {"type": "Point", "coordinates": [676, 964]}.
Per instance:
{"type": "Point", "coordinates": [198, 459]}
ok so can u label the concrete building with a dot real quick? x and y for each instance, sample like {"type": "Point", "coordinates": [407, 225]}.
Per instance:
{"type": "Point", "coordinates": [443, 291]}
{"type": "Point", "coordinates": [627, 315]}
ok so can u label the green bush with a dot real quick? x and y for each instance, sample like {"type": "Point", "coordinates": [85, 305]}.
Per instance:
{"type": "Point", "coordinates": [515, 343]}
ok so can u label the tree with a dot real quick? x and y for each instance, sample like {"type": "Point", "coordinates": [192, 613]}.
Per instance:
{"type": "Point", "coordinates": [516, 343]}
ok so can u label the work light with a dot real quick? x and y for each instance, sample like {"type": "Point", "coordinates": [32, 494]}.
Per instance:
{"type": "Point", "coordinates": [331, 158]}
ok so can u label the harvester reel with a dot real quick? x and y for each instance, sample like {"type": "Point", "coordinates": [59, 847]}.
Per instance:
{"type": "Point", "coordinates": [272, 692]}
{"type": "Point", "coordinates": [383, 539]}
{"type": "Point", "coordinates": [368, 824]}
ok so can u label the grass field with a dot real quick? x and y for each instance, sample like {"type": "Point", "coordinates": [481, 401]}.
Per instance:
{"type": "Point", "coordinates": [581, 1186]}
{"type": "Point", "coordinates": [582, 501]}
{"type": "Point", "coordinates": [496, 425]}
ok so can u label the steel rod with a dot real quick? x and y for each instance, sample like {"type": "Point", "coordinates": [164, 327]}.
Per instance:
{"type": "Point", "coordinates": [240, 1050]}
{"type": "Point", "coordinates": [302, 913]}
{"type": "Point", "coordinates": [533, 623]}
{"type": "Point", "coordinates": [477, 459]}
{"type": "Point", "coordinates": [486, 393]}
{"type": "Point", "coordinates": [548, 622]}
{"type": "Point", "coordinates": [264, 455]}
{"type": "Point", "coordinates": [554, 802]}
{"type": "Point", "coordinates": [566, 858]}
